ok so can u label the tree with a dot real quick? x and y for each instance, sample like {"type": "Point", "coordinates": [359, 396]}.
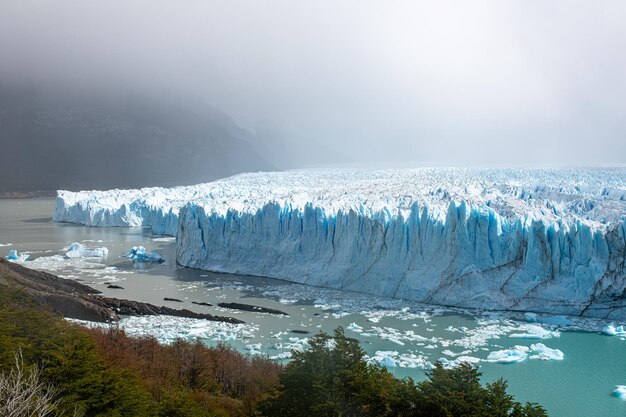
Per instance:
{"type": "Point", "coordinates": [332, 379]}
{"type": "Point", "coordinates": [23, 393]}
{"type": "Point", "coordinates": [457, 393]}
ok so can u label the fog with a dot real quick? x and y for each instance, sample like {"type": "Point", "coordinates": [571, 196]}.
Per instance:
{"type": "Point", "coordinates": [380, 83]}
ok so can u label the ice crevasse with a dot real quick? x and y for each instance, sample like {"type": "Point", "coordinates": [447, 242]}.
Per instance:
{"type": "Point", "coordinates": [529, 240]}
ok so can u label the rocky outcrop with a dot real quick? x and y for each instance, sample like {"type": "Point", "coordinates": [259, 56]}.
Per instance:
{"type": "Point", "coordinates": [249, 307]}
{"type": "Point", "coordinates": [75, 300]}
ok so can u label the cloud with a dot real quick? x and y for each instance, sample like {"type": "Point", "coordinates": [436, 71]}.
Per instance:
{"type": "Point", "coordinates": [437, 83]}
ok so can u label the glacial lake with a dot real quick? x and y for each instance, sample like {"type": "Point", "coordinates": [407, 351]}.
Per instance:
{"type": "Point", "coordinates": [405, 336]}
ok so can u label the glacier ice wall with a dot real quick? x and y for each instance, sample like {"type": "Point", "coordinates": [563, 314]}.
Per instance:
{"type": "Point", "coordinates": [149, 207]}
{"type": "Point", "coordinates": [473, 258]}
{"type": "Point", "coordinates": [538, 240]}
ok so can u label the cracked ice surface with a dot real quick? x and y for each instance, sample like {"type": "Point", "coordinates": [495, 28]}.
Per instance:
{"type": "Point", "coordinates": [503, 239]}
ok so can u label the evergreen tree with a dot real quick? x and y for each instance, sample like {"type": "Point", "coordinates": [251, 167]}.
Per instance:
{"type": "Point", "coordinates": [333, 379]}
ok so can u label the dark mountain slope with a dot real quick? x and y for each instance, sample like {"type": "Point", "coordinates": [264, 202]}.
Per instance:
{"type": "Point", "coordinates": [56, 140]}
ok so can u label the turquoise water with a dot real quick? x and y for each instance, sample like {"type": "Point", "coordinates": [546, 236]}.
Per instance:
{"type": "Point", "coordinates": [579, 385]}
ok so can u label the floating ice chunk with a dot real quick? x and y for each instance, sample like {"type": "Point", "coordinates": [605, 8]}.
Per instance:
{"type": "Point", "coordinates": [614, 330]}
{"type": "Point", "coordinates": [555, 320]}
{"type": "Point", "coordinates": [520, 353]}
{"type": "Point", "coordinates": [545, 353]}
{"type": "Point", "coordinates": [467, 359]}
{"type": "Point", "coordinates": [254, 348]}
{"type": "Point", "coordinates": [15, 256]}
{"type": "Point", "coordinates": [514, 355]}
{"type": "Point", "coordinates": [620, 392]}
{"type": "Point", "coordinates": [393, 359]}
{"type": "Point", "coordinates": [385, 358]}
{"type": "Point", "coordinates": [139, 253]}
{"type": "Point", "coordinates": [448, 352]}
{"type": "Point", "coordinates": [536, 332]}
{"type": "Point", "coordinates": [281, 356]}
{"type": "Point", "coordinates": [355, 327]}
{"type": "Point", "coordinates": [76, 250]}
{"type": "Point", "coordinates": [6, 244]}
{"type": "Point", "coordinates": [167, 329]}
{"type": "Point", "coordinates": [453, 363]}
{"type": "Point", "coordinates": [531, 317]}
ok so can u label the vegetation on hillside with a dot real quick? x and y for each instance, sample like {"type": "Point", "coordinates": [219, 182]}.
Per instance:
{"type": "Point", "coordinates": [76, 371]}
{"type": "Point", "coordinates": [106, 373]}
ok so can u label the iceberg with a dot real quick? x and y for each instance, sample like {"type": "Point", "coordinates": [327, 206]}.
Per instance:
{"type": "Point", "coordinates": [355, 328]}
{"type": "Point", "coordinates": [385, 358]}
{"type": "Point", "coordinates": [548, 241]}
{"type": "Point", "coordinates": [453, 363]}
{"type": "Point", "coordinates": [515, 355]}
{"type": "Point", "coordinates": [620, 392]}
{"type": "Point", "coordinates": [545, 353]}
{"type": "Point", "coordinates": [393, 359]}
{"type": "Point", "coordinates": [13, 255]}
{"type": "Point", "coordinates": [520, 353]}
{"type": "Point", "coordinates": [76, 250]}
{"type": "Point", "coordinates": [613, 330]}
{"type": "Point", "coordinates": [139, 254]}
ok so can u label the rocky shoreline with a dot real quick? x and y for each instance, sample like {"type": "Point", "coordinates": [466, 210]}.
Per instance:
{"type": "Point", "coordinates": [79, 301]}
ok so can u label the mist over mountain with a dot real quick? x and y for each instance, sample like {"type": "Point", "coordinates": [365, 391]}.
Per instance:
{"type": "Point", "coordinates": [112, 87]}
{"type": "Point", "coordinates": [58, 139]}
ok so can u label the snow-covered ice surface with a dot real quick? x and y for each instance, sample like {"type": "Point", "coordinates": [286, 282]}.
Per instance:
{"type": "Point", "coordinates": [501, 239]}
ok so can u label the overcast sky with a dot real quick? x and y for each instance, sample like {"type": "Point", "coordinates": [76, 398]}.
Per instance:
{"type": "Point", "coordinates": [382, 82]}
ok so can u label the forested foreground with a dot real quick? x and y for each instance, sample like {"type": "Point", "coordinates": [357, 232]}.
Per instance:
{"type": "Point", "coordinates": [50, 367]}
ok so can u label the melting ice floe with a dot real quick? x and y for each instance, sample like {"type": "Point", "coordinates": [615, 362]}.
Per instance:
{"type": "Point", "coordinates": [538, 240]}
{"type": "Point", "coordinates": [140, 254]}
{"type": "Point", "coordinates": [392, 359]}
{"type": "Point", "coordinates": [167, 329]}
{"type": "Point", "coordinates": [77, 250]}
{"type": "Point", "coordinates": [614, 330]}
{"type": "Point", "coordinates": [517, 354]}
{"type": "Point", "coordinates": [453, 363]}
{"type": "Point", "coordinates": [545, 353]}
{"type": "Point", "coordinates": [13, 255]}
{"type": "Point", "coordinates": [535, 332]}
{"type": "Point", "coordinates": [78, 261]}
{"type": "Point", "coordinates": [520, 353]}
{"type": "Point", "coordinates": [355, 328]}
{"type": "Point", "coordinates": [620, 392]}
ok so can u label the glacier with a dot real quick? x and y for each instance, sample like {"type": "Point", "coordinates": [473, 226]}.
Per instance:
{"type": "Point", "coordinates": [539, 240]}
